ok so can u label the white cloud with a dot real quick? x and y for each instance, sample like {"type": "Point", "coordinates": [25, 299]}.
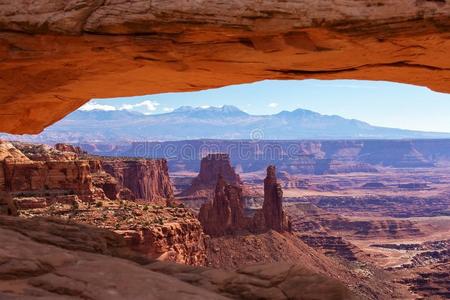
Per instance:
{"type": "Point", "coordinates": [147, 105]}
{"type": "Point", "coordinates": [273, 104]}
{"type": "Point", "coordinates": [205, 106]}
{"type": "Point", "coordinates": [168, 109]}
{"type": "Point", "coordinates": [95, 106]}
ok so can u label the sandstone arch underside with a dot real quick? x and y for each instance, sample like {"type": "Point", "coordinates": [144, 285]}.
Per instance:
{"type": "Point", "coordinates": [57, 54]}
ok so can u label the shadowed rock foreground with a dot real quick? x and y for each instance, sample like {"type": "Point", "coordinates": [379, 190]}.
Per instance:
{"type": "Point", "coordinates": [55, 259]}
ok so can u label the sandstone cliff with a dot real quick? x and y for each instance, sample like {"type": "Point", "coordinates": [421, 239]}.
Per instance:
{"type": "Point", "coordinates": [225, 214]}
{"type": "Point", "coordinates": [28, 170]}
{"type": "Point", "coordinates": [147, 180]}
{"type": "Point", "coordinates": [211, 166]}
{"type": "Point", "coordinates": [46, 177]}
{"type": "Point", "coordinates": [274, 216]}
{"type": "Point", "coordinates": [37, 180]}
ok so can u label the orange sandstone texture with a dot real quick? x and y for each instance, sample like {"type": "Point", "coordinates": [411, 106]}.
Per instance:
{"type": "Point", "coordinates": [57, 55]}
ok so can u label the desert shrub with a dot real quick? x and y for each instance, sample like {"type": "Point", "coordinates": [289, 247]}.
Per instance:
{"type": "Point", "coordinates": [75, 205]}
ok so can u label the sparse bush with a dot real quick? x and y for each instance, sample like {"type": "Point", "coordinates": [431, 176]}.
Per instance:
{"type": "Point", "coordinates": [75, 205]}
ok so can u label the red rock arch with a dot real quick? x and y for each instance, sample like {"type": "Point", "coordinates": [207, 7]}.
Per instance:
{"type": "Point", "coordinates": [56, 56]}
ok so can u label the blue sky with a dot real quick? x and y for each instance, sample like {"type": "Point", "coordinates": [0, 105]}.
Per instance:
{"type": "Point", "coordinates": [376, 102]}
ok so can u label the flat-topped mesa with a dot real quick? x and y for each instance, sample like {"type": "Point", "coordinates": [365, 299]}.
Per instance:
{"type": "Point", "coordinates": [30, 170]}
{"type": "Point", "coordinates": [210, 167]}
{"type": "Point", "coordinates": [274, 216]}
{"type": "Point", "coordinates": [69, 148]}
{"type": "Point", "coordinates": [44, 174]}
{"type": "Point", "coordinates": [225, 214]}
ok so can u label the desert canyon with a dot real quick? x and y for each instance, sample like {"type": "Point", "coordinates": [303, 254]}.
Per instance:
{"type": "Point", "coordinates": [345, 219]}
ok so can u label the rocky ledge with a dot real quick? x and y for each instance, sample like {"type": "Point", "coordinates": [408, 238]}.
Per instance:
{"type": "Point", "coordinates": [133, 198]}
{"type": "Point", "coordinates": [57, 259]}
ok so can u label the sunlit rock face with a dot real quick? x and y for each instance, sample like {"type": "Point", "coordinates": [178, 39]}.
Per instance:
{"type": "Point", "coordinates": [274, 215]}
{"type": "Point", "coordinates": [56, 55]}
{"type": "Point", "coordinates": [225, 214]}
{"type": "Point", "coordinates": [211, 167]}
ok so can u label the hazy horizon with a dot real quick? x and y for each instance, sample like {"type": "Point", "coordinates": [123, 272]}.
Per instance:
{"type": "Point", "coordinates": [378, 103]}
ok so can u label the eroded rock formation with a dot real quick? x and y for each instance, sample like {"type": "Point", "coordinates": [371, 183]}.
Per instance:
{"type": "Point", "coordinates": [27, 177]}
{"type": "Point", "coordinates": [274, 217]}
{"type": "Point", "coordinates": [211, 166]}
{"type": "Point", "coordinates": [37, 180]}
{"type": "Point", "coordinates": [145, 179]}
{"type": "Point", "coordinates": [197, 45]}
{"type": "Point", "coordinates": [225, 214]}
{"type": "Point", "coordinates": [69, 148]}
{"type": "Point", "coordinates": [30, 170]}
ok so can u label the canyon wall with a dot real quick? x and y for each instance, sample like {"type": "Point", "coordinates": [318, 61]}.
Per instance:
{"type": "Point", "coordinates": [146, 179]}
{"type": "Point", "coordinates": [27, 177]}
{"type": "Point", "coordinates": [59, 54]}
{"type": "Point", "coordinates": [300, 157]}
{"type": "Point", "coordinates": [64, 182]}
{"type": "Point", "coordinates": [28, 170]}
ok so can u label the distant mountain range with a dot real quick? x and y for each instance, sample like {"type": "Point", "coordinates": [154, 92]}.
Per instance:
{"type": "Point", "coordinates": [227, 122]}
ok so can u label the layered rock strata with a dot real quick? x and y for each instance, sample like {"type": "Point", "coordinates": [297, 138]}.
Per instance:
{"type": "Point", "coordinates": [27, 177]}
{"type": "Point", "coordinates": [146, 180]}
{"type": "Point", "coordinates": [37, 180]}
{"type": "Point", "coordinates": [31, 170]}
{"type": "Point", "coordinates": [225, 214]}
{"type": "Point", "coordinates": [211, 166]}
